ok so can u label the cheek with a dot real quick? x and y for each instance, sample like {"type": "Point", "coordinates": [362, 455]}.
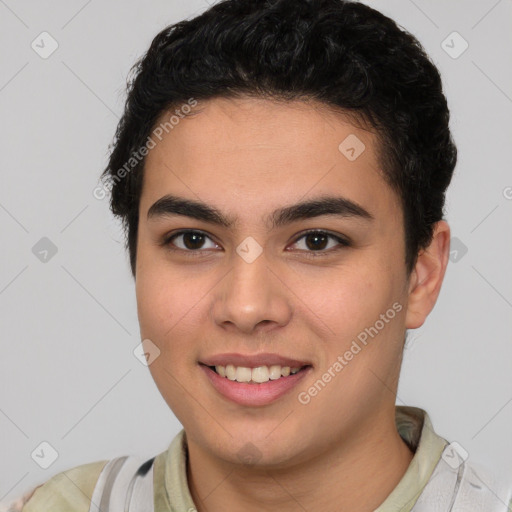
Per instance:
{"type": "Point", "coordinates": [168, 305]}
{"type": "Point", "coordinates": [344, 299]}
{"type": "Point", "coordinates": [360, 313]}
{"type": "Point", "coordinates": [162, 306]}
{"type": "Point", "coordinates": [155, 306]}
{"type": "Point", "coordinates": [163, 297]}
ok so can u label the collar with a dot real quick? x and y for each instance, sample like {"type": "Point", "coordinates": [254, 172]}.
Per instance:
{"type": "Point", "coordinates": [415, 428]}
{"type": "Point", "coordinates": [172, 493]}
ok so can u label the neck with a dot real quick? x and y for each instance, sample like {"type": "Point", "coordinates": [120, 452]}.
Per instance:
{"type": "Point", "coordinates": [352, 475]}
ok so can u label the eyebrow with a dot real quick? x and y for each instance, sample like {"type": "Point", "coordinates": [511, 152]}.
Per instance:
{"type": "Point", "coordinates": [169, 206]}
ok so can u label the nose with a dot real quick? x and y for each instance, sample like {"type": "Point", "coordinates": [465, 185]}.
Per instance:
{"type": "Point", "coordinates": [252, 297]}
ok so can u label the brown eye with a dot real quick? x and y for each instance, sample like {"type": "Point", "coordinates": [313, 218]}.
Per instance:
{"type": "Point", "coordinates": [188, 241]}
{"type": "Point", "coordinates": [193, 240]}
{"type": "Point", "coordinates": [318, 241]}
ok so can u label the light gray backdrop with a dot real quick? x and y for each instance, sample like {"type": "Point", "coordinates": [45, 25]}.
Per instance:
{"type": "Point", "coordinates": [68, 318]}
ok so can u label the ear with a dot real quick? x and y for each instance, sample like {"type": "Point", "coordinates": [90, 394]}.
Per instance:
{"type": "Point", "coordinates": [427, 276]}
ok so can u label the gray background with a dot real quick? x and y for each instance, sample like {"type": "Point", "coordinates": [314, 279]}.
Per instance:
{"type": "Point", "coordinates": [69, 325]}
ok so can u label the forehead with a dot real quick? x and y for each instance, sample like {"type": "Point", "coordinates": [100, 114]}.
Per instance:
{"type": "Point", "coordinates": [251, 153]}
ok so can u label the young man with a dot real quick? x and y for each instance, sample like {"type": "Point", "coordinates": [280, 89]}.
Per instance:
{"type": "Point", "coordinates": [281, 169]}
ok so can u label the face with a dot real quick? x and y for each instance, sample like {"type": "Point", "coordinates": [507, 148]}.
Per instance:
{"type": "Point", "coordinates": [253, 280]}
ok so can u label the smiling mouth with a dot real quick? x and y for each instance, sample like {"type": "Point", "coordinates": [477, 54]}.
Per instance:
{"type": "Point", "coordinates": [257, 375]}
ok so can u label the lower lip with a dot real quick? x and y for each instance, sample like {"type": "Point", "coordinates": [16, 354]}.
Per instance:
{"type": "Point", "coordinates": [254, 394]}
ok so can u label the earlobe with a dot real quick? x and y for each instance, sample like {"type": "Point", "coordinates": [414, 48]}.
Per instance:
{"type": "Point", "coordinates": [427, 276]}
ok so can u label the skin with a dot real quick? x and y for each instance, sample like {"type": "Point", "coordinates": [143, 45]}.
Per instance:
{"type": "Point", "coordinates": [247, 157]}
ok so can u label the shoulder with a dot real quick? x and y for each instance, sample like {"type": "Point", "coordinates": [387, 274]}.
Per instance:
{"type": "Point", "coordinates": [482, 488]}
{"type": "Point", "coordinates": [465, 485]}
{"type": "Point", "coordinates": [68, 491]}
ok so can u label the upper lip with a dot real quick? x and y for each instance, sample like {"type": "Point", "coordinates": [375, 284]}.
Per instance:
{"type": "Point", "coordinates": [252, 361]}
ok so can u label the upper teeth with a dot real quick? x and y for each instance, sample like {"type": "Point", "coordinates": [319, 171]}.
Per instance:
{"type": "Point", "coordinates": [259, 374]}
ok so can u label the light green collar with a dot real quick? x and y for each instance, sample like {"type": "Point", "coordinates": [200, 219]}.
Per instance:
{"type": "Point", "coordinates": [413, 425]}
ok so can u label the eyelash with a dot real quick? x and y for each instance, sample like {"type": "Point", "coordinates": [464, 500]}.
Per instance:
{"type": "Point", "coordinates": [310, 254]}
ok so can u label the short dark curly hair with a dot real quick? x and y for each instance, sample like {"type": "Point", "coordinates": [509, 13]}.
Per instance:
{"type": "Point", "coordinates": [342, 53]}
